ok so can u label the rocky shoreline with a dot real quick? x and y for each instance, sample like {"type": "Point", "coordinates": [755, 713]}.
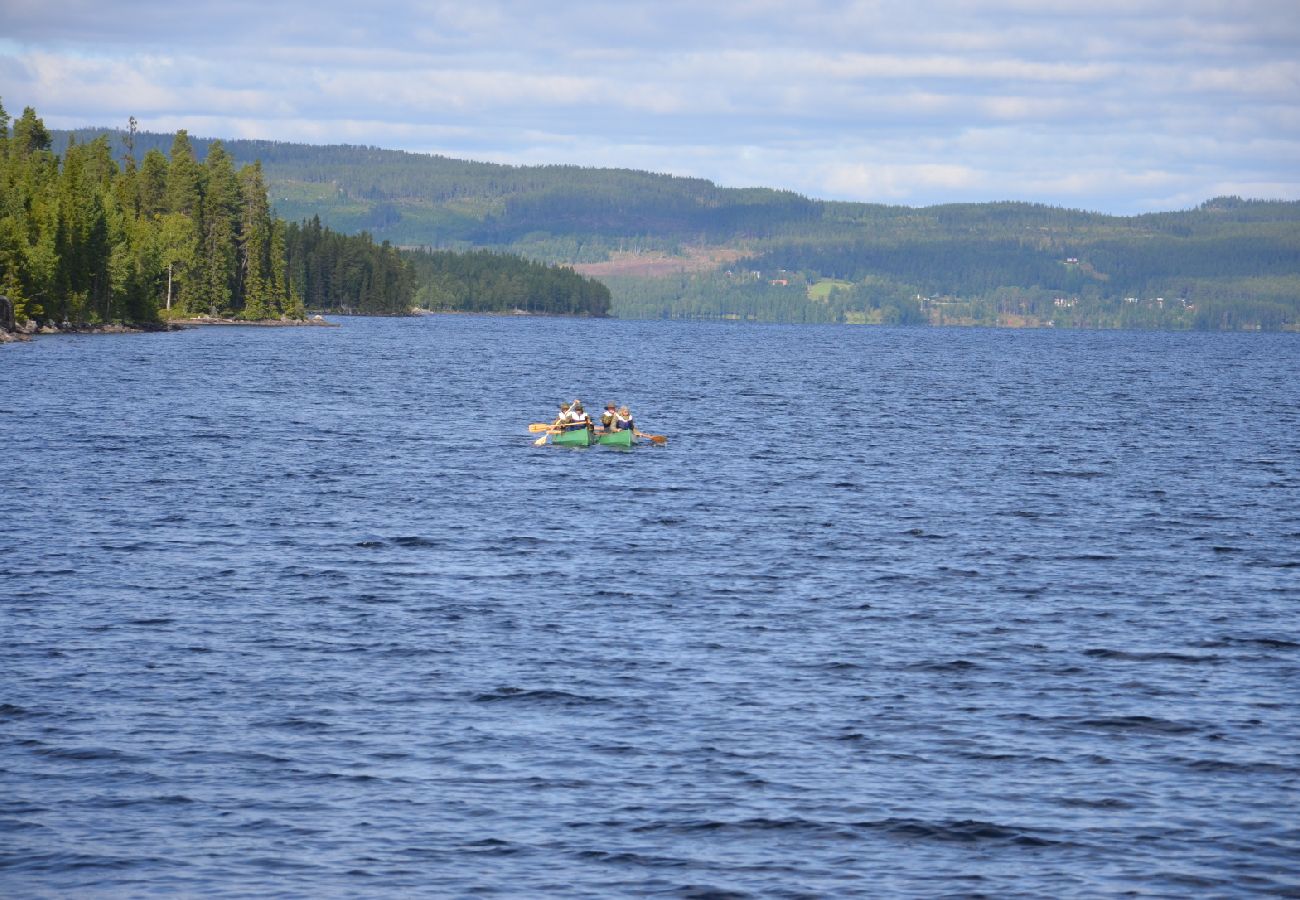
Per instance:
{"type": "Point", "coordinates": [311, 321]}
{"type": "Point", "coordinates": [12, 331]}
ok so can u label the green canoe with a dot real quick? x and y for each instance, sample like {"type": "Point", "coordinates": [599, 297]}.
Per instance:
{"type": "Point", "coordinates": [581, 437]}
{"type": "Point", "coordinates": [578, 437]}
{"type": "Point", "coordinates": [615, 438]}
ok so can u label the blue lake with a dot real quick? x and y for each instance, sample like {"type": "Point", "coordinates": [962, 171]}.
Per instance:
{"type": "Point", "coordinates": [303, 612]}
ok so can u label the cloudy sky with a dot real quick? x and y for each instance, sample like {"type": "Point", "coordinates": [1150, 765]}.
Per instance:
{"type": "Point", "coordinates": [1114, 105]}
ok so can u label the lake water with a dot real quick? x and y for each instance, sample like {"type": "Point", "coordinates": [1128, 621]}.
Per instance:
{"type": "Point", "coordinates": [303, 612]}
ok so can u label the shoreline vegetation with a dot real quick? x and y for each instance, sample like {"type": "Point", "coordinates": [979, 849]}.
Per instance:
{"type": "Point", "coordinates": [685, 248]}
{"type": "Point", "coordinates": [29, 329]}
{"type": "Point", "coordinates": [114, 233]}
{"type": "Point", "coordinates": [91, 242]}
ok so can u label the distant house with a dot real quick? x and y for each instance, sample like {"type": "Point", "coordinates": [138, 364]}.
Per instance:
{"type": "Point", "coordinates": [780, 282]}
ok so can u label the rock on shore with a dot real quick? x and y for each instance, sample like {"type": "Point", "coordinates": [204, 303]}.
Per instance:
{"type": "Point", "coordinates": [265, 323]}
{"type": "Point", "coordinates": [11, 331]}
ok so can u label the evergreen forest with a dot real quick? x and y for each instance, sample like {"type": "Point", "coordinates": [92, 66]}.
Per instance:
{"type": "Point", "coordinates": [118, 231]}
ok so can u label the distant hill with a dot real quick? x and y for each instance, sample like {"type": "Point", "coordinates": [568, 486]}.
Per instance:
{"type": "Point", "coordinates": [775, 255]}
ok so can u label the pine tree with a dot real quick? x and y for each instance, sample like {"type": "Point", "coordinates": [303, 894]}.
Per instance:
{"type": "Point", "coordinates": [255, 262]}
{"type": "Point", "coordinates": [218, 231]}
{"type": "Point", "coordinates": [184, 179]}
{"type": "Point", "coordinates": [287, 301]}
{"type": "Point", "coordinates": [178, 242]}
{"type": "Point", "coordinates": [152, 191]}
{"type": "Point", "coordinates": [30, 134]}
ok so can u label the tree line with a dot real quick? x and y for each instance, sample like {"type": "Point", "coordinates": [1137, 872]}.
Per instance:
{"type": "Point", "coordinates": [485, 281]}
{"type": "Point", "coordinates": [88, 236]}
{"type": "Point", "coordinates": [1237, 262]}
{"type": "Point", "coordinates": [84, 239]}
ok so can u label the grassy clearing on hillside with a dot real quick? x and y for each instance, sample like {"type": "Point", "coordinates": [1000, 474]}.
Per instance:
{"type": "Point", "coordinates": [821, 290]}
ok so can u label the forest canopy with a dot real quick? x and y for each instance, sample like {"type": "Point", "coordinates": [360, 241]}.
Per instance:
{"type": "Point", "coordinates": [121, 231]}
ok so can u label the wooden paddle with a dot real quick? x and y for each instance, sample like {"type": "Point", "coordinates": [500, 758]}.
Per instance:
{"type": "Point", "coordinates": [553, 428]}
{"type": "Point", "coordinates": [656, 438]}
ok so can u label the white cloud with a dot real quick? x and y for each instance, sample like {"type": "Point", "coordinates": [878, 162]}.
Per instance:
{"type": "Point", "coordinates": [1113, 104]}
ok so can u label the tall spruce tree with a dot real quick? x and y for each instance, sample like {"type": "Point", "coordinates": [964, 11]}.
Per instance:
{"type": "Point", "coordinates": [255, 232]}
{"type": "Point", "coordinates": [214, 289]}
{"type": "Point", "coordinates": [152, 191]}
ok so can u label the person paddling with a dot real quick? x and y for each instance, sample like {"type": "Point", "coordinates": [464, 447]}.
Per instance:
{"type": "Point", "coordinates": [623, 420]}
{"type": "Point", "coordinates": [577, 417]}
{"type": "Point", "coordinates": [608, 416]}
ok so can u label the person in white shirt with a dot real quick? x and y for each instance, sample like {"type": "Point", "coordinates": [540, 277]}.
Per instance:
{"type": "Point", "coordinates": [577, 418]}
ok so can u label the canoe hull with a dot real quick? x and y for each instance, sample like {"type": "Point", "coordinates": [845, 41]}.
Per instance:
{"type": "Point", "coordinates": [615, 439]}
{"type": "Point", "coordinates": [579, 437]}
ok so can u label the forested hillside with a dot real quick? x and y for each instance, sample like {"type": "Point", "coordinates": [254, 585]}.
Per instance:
{"type": "Point", "coordinates": [1229, 263]}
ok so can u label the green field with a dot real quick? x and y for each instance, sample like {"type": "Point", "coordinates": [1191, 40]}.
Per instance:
{"type": "Point", "coordinates": [821, 290]}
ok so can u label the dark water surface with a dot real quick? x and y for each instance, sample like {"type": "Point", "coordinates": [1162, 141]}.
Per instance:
{"type": "Point", "coordinates": [302, 612]}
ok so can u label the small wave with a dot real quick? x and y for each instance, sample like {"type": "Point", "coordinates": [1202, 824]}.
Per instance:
{"type": "Point", "coordinates": [65, 862]}
{"type": "Point", "coordinates": [88, 754]}
{"type": "Point", "coordinates": [965, 831]}
{"type": "Point", "coordinates": [1089, 803]}
{"type": "Point", "coordinates": [1163, 656]}
{"type": "Point", "coordinates": [1240, 768]}
{"type": "Point", "coordinates": [113, 801]}
{"type": "Point", "coordinates": [158, 621]}
{"type": "Point", "coordinates": [1137, 724]}
{"type": "Point", "coordinates": [1270, 643]}
{"type": "Point", "coordinates": [925, 535]}
{"type": "Point", "coordinates": [295, 723]}
{"type": "Point", "coordinates": [540, 695]}
{"type": "Point", "coordinates": [836, 665]}
{"type": "Point", "coordinates": [493, 846]}
{"type": "Point", "coordinates": [417, 541]}
{"type": "Point", "coordinates": [11, 711]}
{"type": "Point", "coordinates": [708, 892]}
{"type": "Point", "coordinates": [955, 665]}
{"type": "Point", "coordinates": [619, 857]}
{"type": "Point", "coordinates": [231, 756]}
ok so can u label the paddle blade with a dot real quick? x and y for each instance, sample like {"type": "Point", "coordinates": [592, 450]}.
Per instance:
{"type": "Point", "coordinates": [657, 438]}
{"type": "Point", "coordinates": [541, 440]}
